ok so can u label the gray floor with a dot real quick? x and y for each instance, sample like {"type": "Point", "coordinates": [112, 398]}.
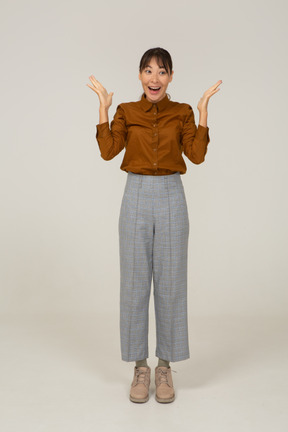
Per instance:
{"type": "Point", "coordinates": [58, 373]}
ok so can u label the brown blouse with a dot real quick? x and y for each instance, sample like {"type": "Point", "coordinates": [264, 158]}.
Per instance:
{"type": "Point", "coordinates": [154, 136]}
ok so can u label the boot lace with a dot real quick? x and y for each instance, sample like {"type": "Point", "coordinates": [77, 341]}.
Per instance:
{"type": "Point", "coordinates": [141, 376]}
{"type": "Point", "coordinates": [163, 376]}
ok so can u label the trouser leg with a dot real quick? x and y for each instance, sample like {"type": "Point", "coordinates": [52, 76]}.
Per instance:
{"type": "Point", "coordinates": [135, 246]}
{"type": "Point", "coordinates": [170, 253]}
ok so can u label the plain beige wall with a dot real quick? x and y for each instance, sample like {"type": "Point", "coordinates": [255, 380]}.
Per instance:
{"type": "Point", "coordinates": [60, 201]}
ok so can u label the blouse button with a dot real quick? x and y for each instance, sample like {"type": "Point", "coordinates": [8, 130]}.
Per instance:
{"type": "Point", "coordinates": [155, 163]}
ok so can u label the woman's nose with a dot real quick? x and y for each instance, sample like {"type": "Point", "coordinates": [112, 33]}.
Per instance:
{"type": "Point", "coordinates": [154, 78]}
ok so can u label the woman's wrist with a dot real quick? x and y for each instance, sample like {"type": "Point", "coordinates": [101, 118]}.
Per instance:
{"type": "Point", "coordinates": [103, 108]}
{"type": "Point", "coordinates": [103, 114]}
{"type": "Point", "coordinates": [203, 118]}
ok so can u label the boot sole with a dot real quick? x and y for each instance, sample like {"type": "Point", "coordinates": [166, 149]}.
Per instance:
{"type": "Point", "coordinates": [165, 400]}
{"type": "Point", "coordinates": [139, 400]}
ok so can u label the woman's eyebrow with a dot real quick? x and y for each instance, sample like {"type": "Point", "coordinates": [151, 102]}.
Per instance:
{"type": "Point", "coordinates": [161, 67]}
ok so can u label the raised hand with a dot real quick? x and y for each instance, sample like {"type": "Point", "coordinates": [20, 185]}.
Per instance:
{"type": "Point", "coordinates": [203, 102]}
{"type": "Point", "coordinates": [105, 99]}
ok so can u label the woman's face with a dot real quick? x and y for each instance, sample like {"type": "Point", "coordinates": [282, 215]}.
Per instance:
{"type": "Point", "coordinates": [154, 76]}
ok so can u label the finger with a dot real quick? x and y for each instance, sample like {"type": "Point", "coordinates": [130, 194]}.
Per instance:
{"type": "Point", "coordinates": [217, 89]}
{"type": "Point", "coordinates": [215, 85]}
{"type": "Point", "coordinates": [212, 93]}
{"type": "Point", "coordinates": [218, 83]}
{"type": "Point", "coordinates": [97, 85]}
{"type": "Point", "coordinates": [93, 79]}
{"type": "Point", "coordinates": [93, 88]}
{"type": "Point", "coordinates": [96, 82]}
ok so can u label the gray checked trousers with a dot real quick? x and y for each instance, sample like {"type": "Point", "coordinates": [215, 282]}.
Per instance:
{"type": "Point", "coordinates": [153, 241]}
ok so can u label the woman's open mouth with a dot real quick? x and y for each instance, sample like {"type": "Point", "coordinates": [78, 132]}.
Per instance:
{"type": "Point", "coordinates": [154, 90]}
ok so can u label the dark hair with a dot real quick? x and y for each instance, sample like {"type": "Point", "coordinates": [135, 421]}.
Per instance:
{"type": "Point", "coordinates": [162, 56]}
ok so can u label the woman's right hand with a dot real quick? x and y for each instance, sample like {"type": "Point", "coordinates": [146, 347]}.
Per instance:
{"type": "Point", "coordinates": [105, 99]}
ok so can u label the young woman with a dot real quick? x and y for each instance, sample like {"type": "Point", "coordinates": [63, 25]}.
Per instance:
{"type": "Point", "coordinates": [153, 221]}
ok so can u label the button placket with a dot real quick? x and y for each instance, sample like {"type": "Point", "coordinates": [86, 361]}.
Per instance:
{"type": "Point", "coordinates": [155, 141]}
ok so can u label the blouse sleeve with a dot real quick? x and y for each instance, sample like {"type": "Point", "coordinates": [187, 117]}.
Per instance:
{"type": "Point", "coordinates": [112, 140]}
{"type": "Point", "coordinates": [194, 140]}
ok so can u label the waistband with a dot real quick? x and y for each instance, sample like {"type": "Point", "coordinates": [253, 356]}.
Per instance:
{"type": "Point", "coordinates": [144, 179]}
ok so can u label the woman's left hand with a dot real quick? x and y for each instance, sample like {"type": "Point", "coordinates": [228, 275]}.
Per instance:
{"type": "Point", "coordinates": [203, 103]}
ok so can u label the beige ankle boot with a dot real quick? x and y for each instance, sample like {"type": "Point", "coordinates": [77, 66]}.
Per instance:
{"type": "Point", "coordinates": [164, 384]}
{"type": "Point", "coordinates": [139, 391]}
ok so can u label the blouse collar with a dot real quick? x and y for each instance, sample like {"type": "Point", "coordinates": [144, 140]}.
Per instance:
{"type": "Point", "coordinates": [146, 105]}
